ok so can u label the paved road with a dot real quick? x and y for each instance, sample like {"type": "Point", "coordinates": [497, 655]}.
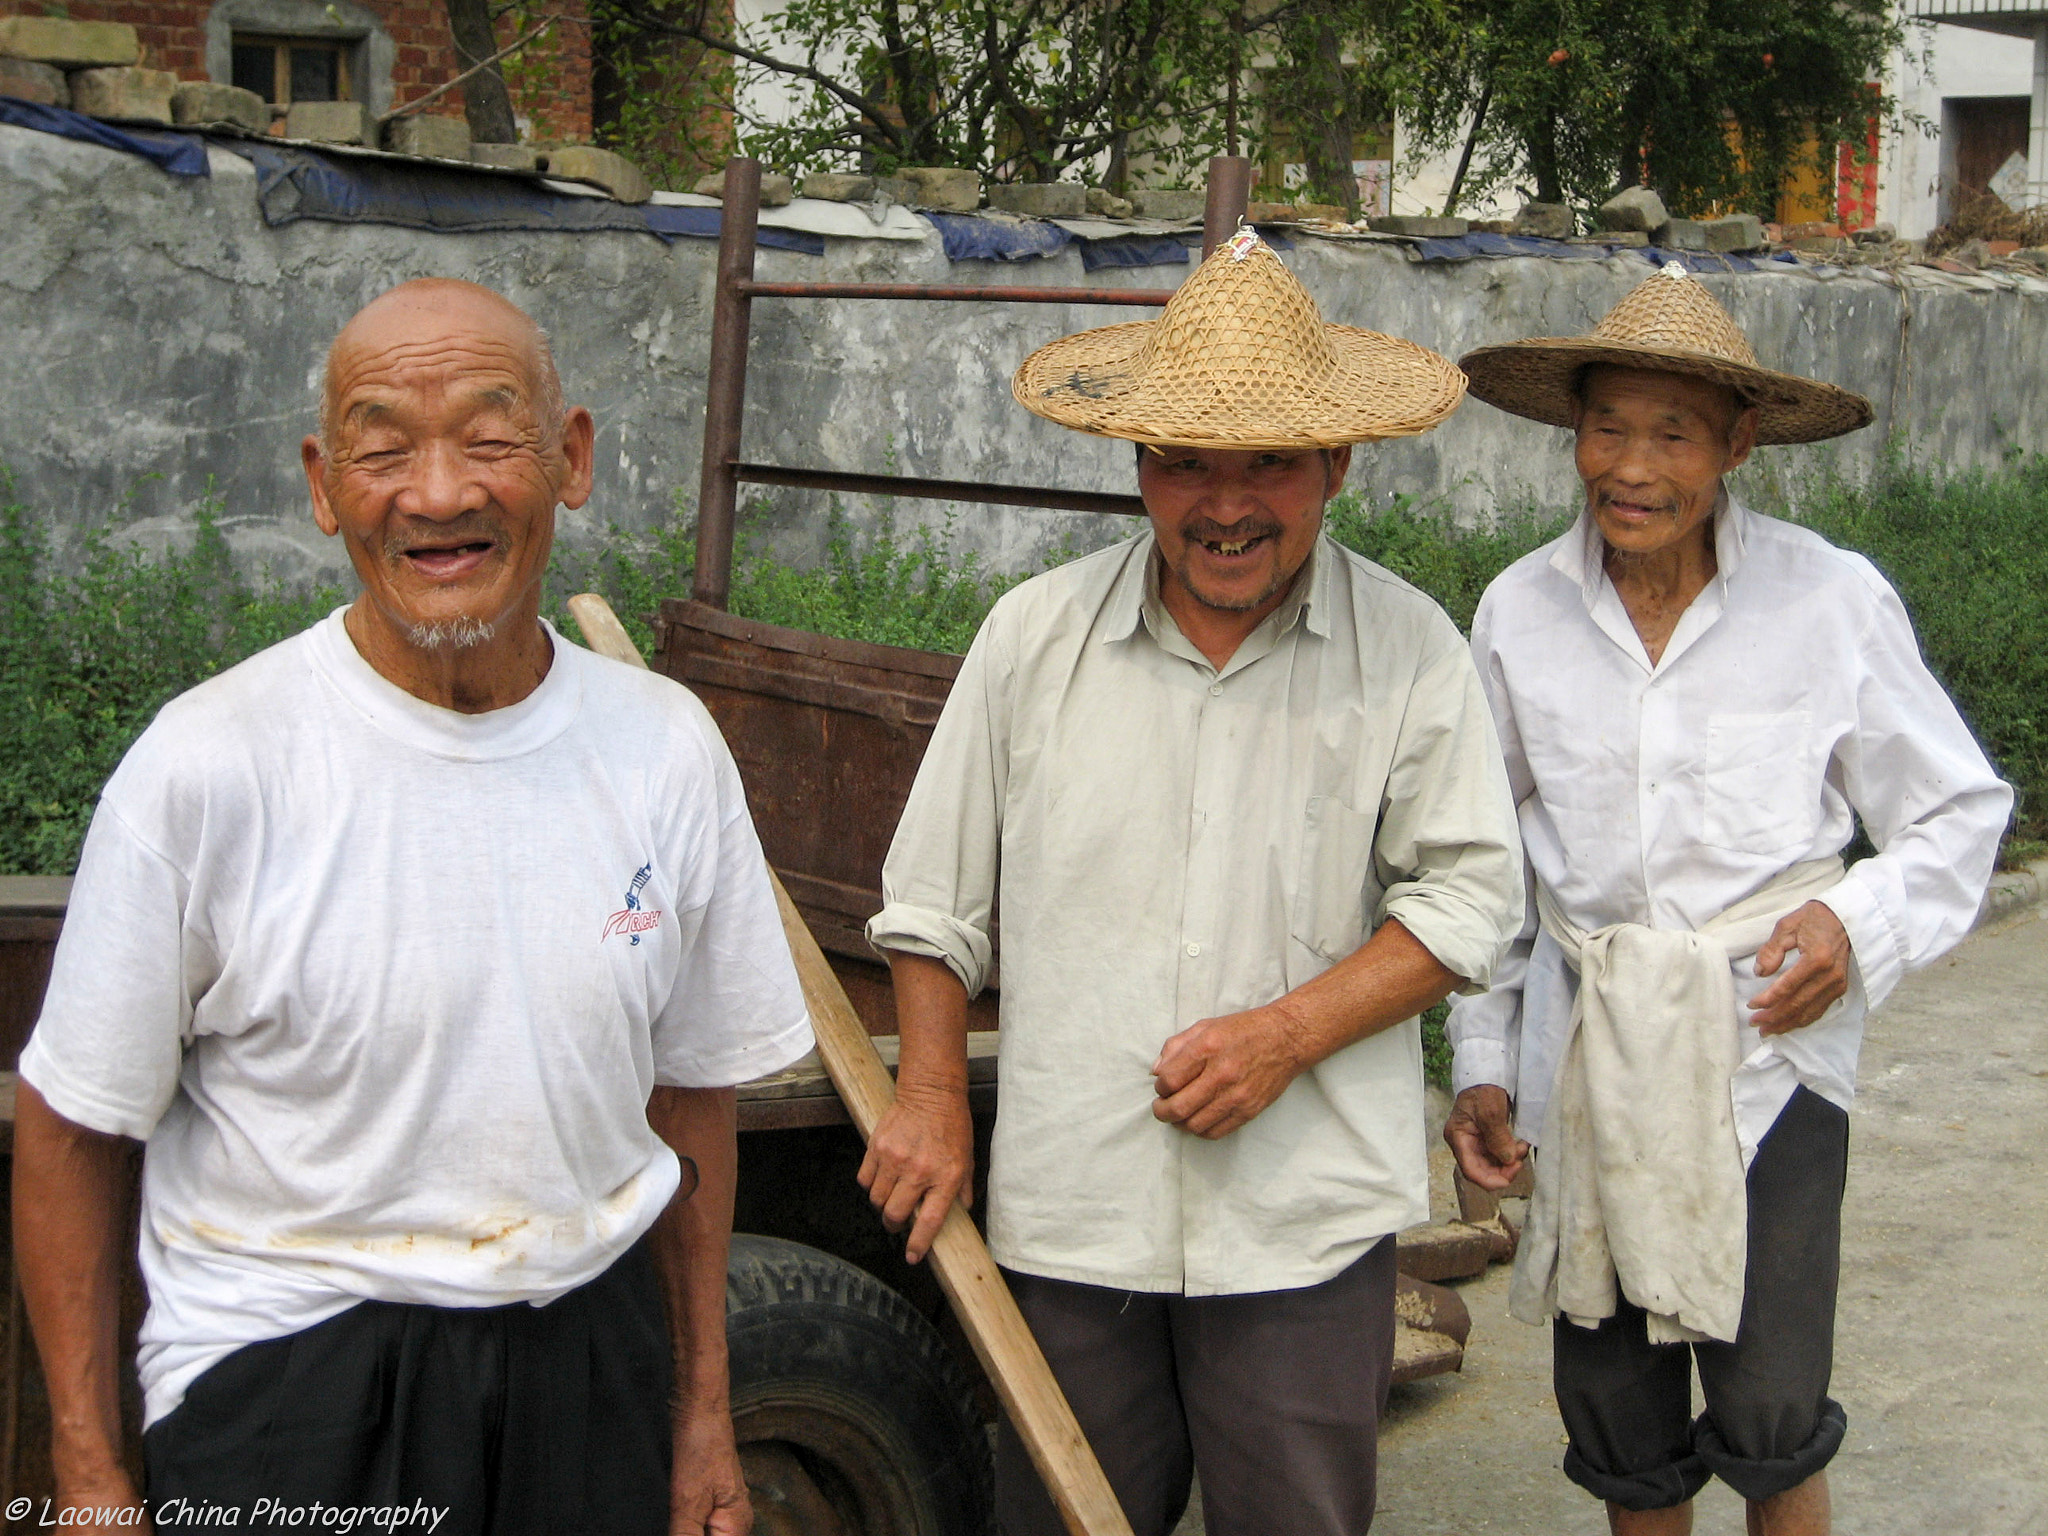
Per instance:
{"type": "Point", "coordinates": [1942, 1352]}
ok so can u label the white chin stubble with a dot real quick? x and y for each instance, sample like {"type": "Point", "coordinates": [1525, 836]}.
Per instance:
{"type": "Point", "coordinates": [457, 634]}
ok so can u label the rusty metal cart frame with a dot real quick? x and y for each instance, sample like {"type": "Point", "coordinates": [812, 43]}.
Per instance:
{"type": "Point", "coordinates": [726, 385]}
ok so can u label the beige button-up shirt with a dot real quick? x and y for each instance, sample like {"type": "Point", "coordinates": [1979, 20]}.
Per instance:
{"type": "Point", "coordinates": [1174, 843]}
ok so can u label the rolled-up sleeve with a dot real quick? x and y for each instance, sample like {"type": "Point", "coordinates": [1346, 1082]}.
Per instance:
{"type": "Point", "coordinates": [1929, 800]}
{"type": "Point", "coordinates": [1448, 849]}
{"type": "Point", "coordinates": [939, 880]}
{"type": "Point", "coordinates": [1485, 1028]}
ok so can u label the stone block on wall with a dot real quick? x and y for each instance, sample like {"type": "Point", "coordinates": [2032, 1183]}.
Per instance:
{"type": "Point", "coordinates": [1106, 204]}
{"type": "Point", "coordinates": [599, 168]}
{"type": "Point", "coordinates": [946, 188]}
{"type": "Point", "coordinates": [1544, 221]}
{"type": "Point", "coordinates": [202, 102]}
{"type": "Point", "coordinates": [434, 137]}
{"type": "Point", "coordinates": [331, 122]}
{"type": "Point", "coordinates": [1420, 227]}
{"type": "Point", "coordinates": [124, 95]}
{"type": "Point", "coordinates": [839, 187]}
{"type": "Point", "coordinates": [1159, 203]}
{"type": "Point", "coordinates": [1738, 232]}
{"type": "Point", "coordinates": [776, 190]}
{"type": "Point", "coordinates": [1681, 235]}
{"type": "Point", "coordinates": [26, 80]}
{"type": "Point", "coordinates": [1040, 199]}
{"type": "Point", "coordinates": [69, 44]}
{"type": "Point", "coordinates": [1637, 208]}
{"type": "Point", "coordinates": [507, 157]}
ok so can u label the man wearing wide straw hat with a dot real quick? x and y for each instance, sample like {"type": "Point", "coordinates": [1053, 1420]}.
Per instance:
{"type": "Point", "coordinates": [1698, 704]}
{"type": "Point", "coordinates": [1240, 796]}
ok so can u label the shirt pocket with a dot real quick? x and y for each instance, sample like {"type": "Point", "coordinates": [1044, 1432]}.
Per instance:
{"type": "Point", "coordinates": [1759, 791]}
{"type": "Point", "coordinates": [1329, 911]}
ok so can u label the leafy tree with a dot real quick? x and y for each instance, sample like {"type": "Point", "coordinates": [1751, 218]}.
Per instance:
{"type": "Point", "coordinates": [1017, 89]}
{"type": "Point", "coordinates": [1713, 102]}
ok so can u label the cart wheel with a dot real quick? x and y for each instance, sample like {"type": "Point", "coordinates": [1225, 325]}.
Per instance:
{"type": "Point", "coordinates": [853, 1417]}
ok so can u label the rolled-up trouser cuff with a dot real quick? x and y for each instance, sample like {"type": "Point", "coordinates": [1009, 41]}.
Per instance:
{"type": "Point", "coordinates": [1763, 1479]}
{"type": "Point", "coordinates": [1662, 1487]}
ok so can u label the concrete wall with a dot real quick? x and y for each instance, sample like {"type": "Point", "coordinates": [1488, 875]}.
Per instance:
{"type": "Point", "coordinates": [156, 338]}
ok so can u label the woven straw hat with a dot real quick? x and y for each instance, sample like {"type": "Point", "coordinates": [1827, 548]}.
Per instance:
{"type": "Point", "coordinates": [1239, 358]}
{"type": "Point", "coordinates": [1671, 324]}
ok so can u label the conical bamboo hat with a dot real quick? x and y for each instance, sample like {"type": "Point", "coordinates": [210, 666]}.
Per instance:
{"type": "Point", "coordinates": [1673, 325]}
{"type": "Point", "coordinates": [1239, 358]}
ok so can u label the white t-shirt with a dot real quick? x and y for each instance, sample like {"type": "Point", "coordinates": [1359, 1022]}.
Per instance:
{"type": "Point", "coordinates": [386, 987]}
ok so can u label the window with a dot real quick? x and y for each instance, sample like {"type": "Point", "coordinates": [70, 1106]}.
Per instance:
{"type": "Point", "coordinates": [283, 70]}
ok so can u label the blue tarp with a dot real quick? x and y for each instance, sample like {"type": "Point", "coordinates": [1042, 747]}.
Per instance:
{"type": "Point", "coordinates": [294, 183]}
{"type": "Point", "coordinates": [702, 224]}
{"type": "Point", "coordinates": [1136, 251]}
{"type": "Point", "coordinates": [182, 154]}
{"type": "Point", "coordinates": [971, 238]}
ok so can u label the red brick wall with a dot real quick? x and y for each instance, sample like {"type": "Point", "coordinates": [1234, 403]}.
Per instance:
{"type": "Point", "coordinates": [550, 80]}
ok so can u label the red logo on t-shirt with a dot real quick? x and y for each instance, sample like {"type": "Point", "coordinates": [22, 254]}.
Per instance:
{"type": "Point", "coordinates": [629, 921]}
{"type": "Point", "coordinates": [633, 919]}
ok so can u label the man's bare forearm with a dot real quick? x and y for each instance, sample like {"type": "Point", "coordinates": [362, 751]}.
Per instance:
{"type": "Point", "coordinates": [931, 1025]}
{"type": "Point", "coordinates": [694, 1235]}
{"type": "Point", "coordinates": [1386, 980]}
{"type": "Point", "coordinates": [1219, 1074]}
{"type": "Point", "coordinates": [72, 1188]}
{"type": "Point", "coordinates": [921, 1155]}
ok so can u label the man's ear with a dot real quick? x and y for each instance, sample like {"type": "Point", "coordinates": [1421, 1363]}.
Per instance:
{"type": "Point", "coordinates": [579, 451]}
{"type": "Point", "coordinates": [314, 457]}
{"type": "Point", "coordinates": [1339, 461]}
{"type": "Point", "coordinates": [1741, 438]}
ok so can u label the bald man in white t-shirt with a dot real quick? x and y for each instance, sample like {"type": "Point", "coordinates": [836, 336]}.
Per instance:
{"type": "Point", "coordinates": [422, 952]}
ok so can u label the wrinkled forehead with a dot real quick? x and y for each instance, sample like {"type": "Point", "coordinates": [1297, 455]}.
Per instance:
{"type": "Point", "coordinates": [374, 375]}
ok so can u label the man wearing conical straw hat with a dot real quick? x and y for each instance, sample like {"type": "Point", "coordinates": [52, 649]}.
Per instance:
{"type": "Point", "coordinates": [1240, 797]}
{"type": "Point", "coordinates": [1698, 704]}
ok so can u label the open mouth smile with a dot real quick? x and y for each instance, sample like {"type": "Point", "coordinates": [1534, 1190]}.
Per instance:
{"type": "Point", "coordinates": [449, 562]}
{"type": "Point", "coordinates": [1234, 549]}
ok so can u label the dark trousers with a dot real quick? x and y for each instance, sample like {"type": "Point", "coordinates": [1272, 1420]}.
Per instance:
{"type": "Point", "coordinates": [1274, 1398]}
{"type": "Point", "coordinates": [1769, 1423]}
{"type": "Point", "coordinates": [518, 1420]}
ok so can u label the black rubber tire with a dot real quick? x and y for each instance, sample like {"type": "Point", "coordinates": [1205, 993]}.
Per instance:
{"type": "Point", "coordinates": [835, 1368]}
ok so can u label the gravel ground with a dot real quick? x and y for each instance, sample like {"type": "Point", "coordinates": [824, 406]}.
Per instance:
{"type": "Point", "coordinates": [1942, 1336]}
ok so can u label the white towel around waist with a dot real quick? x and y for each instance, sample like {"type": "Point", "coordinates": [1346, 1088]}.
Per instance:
{"type": "Point", "coordinates": [1640, 1177]}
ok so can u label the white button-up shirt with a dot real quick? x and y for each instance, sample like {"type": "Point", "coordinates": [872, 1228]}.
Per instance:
{"type": "Point", "coordinates": [1176, 842]}
{"type": "Point", "coordinates": [1790, 701]}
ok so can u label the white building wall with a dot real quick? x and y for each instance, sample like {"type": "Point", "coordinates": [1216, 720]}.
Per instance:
{"type": "Point", "coordinates": [1958, 62]}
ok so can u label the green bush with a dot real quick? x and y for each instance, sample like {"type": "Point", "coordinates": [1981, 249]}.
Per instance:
{"type": "Point", "coordinates": [1968, 554]}
{"type": "Point", "coordinates": [87, 659]}
{"type": "Point", "coordinates": [876, 587]}
{"type": "Point", "coordinates": [1450, 563]}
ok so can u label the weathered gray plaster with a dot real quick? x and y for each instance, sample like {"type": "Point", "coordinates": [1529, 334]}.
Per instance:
{"type": "Point", "coordinates": [156, 337]}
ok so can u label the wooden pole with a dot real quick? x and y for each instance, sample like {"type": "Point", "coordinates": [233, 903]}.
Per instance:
{"type": "Point", "coordinates": [725, 385]}
{"type": "Point", "coordinates": [965, 1269]}
{"type": "Point", "coordinates": [1230, 185]}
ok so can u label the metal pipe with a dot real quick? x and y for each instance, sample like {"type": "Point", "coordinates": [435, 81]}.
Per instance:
{"type": "Point", "coordinates": [1004, 294]}
{"type": "Point", "coordinates": [939, 490]}
{"type": "Point", "coordinates": [1230, 189]}
{"type": "Point", "coordinates": [725, 386]}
